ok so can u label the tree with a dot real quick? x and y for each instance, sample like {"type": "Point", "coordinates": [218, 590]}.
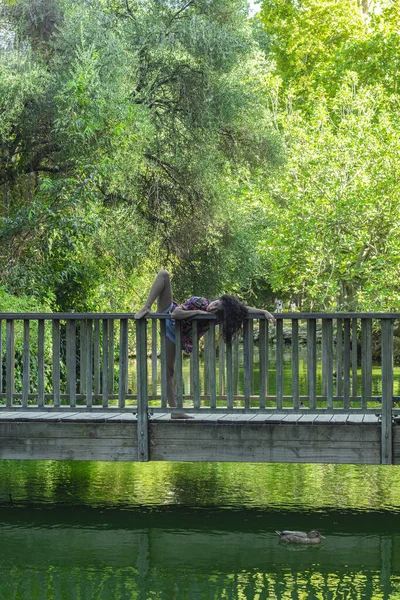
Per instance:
{"type": "Point", "coordinates": [125, 108]}
{"type": "Point", "coordinates": [332, 213]}
{"type": "Point", "coordinates": [316, 42]}
{"type": "Point", "coordinates": [306, 36]}
{"type": "Point", "coordinates": [331, 233]}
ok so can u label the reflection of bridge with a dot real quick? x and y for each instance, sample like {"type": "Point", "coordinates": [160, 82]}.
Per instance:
{"type": "Point", "coordinates": [79, 403]}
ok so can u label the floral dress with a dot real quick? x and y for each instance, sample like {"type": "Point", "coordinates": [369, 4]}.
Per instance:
{"type": "Point", "coordinates": [194, 303]}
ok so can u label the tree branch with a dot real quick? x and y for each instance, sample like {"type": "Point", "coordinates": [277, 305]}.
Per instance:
{"type": "Point", "coordinates": [46, 169]}
{"type": "Point", "coordinates": [181, 10]}
{"type": "Point", "coordinates": [148, 216]}
{"type": "Point", "coordinates": [166, 167]}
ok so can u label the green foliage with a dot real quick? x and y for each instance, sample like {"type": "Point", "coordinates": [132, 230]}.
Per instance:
{"type": "Point", "coordinates": [14, 304]}
{"type": "Point", "coordinates": [25, 304]}
{"type": "Point", "coordinates": [331, 223]}
{"type": "Point", "coordinates": [136, 113]}
{"type": "Point", "coordinates": [257, 157]}
{"type": "Point", "coordinates": [375, 55]}
{"type": "Point", "coordinates": [306, 36]}
{"type": "Point", "coordinates": [332, 230]}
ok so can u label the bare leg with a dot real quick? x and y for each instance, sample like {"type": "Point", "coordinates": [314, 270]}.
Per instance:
{"type": "Point", "coordinates": [161, 291]}
{"type": "Point", "coordinates": [171, 351]}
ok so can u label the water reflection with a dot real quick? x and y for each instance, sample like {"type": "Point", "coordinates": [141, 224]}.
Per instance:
{"type": "Point", "coordinates": [130, 485]}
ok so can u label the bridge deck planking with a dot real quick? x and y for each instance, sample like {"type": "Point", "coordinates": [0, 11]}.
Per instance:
{"type": "Point", "coordinates": [123, 416]}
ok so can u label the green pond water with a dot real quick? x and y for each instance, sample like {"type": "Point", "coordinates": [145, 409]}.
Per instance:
{"type": "Point", "coordinates": [74, 530]}
{"type": "Point", "coordinates": [172, 531]}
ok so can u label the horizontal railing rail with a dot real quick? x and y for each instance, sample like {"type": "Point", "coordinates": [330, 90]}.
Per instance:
{"type": "Point", "coordinates": [160, 316]}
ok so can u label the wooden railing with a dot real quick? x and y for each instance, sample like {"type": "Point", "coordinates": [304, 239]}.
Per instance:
{"type": "Point", "coordinates": [81, 360]}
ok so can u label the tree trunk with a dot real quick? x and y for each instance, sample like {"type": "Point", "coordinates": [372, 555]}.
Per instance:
{"type": "Point", "coordinates": [6, 198]}
{"type": "Point", "coordinates": [366, 6]}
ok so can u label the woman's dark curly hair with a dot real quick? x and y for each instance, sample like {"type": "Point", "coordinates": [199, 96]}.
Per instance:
{"type": "Point", "coordinates": [231, 317]}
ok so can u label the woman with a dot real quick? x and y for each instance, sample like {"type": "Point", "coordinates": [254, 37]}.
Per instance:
{"type": "Point", "coordinates": [229, 311]}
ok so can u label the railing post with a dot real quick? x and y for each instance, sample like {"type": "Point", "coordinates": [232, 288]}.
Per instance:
{"type": "Point", "coordinates": [366, 361]}
{"type": "Point", "coordinates": [235, 345]}
{"type": "Point", "coordinates": [123, 361]}
{"type": "Point", "coordinates": [26, 365]}
{"type": "Point", "coordinates": [10, 359]}
{"type": "Point", "coordinates": [251, 355]}
{"type": "Point", "coordinates": [71, 361]}
{"type": "Point", "coordinates": [346, 363]}
{"type": "Point", "coordinates": [312, 362]}
{"type": "Point", "coordinates": [354, 356]}
{"type": "Point", "coordinates": [327, 361]}
{"type": "Point", "coordinates": [104, 391]}
{"type": "Point", "coordinates": [212, 366]}
{"type": "Point", "coordinates": [246, 364]}
{"type": "Point", "coordinates": [1, 356]}
{"type": "Point", "coordinates": [196, 366]}
{"type": "Point", "coordinates": [41, 363]}
{"type": "Point", "coordinates": [110, 377]}
{"type": "Point", "coordinates": [82, 356]}
{"type": "Point", "coordinates": [387, 390]}
{"type": "Point", "coordinates": [295, 364]}
{"type": "Point", "coordinates": [279, 364]}
{"type": "Point", "coordinates": [89, 363]}
{"type": "Point", "coordinates": [229, 376]}
{"type": "Point", "coordinates": [142, 394]}
{"type": "Point", "coordinates": [56, 361]}
{"type": "Point", "coordinates": [96, 358]}
{"type": "Point", "coordinates": [163, 359]}
{"type": "Point", "coordinates": [339, 357]}
{"type": "Point", "coordinates": [154, 357]}
{"type": "Point", "coordinates": [221, 361]}
{"type": "Point", "coordinates": [206, 365]}
{"type": "Point", "coordinates": [263, 363]}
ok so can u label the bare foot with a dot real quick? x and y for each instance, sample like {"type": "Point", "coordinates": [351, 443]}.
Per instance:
{"type": "Point", "coordinates": [142, 312]}
{"type": "Point", "coordinates": [181, 416]}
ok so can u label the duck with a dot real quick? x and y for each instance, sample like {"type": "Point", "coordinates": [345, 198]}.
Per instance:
{"type": "Point", "coordinates": [300, 537]}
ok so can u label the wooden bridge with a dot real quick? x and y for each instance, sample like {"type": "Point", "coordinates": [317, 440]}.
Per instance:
{"type": "Point", "coordinates": [76, 386]}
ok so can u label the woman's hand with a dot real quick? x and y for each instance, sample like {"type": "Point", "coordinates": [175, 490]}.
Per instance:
{"type": "Point", "coordinates": [268, 316]}
{"type": "Point", "coordinates": [257, 311]}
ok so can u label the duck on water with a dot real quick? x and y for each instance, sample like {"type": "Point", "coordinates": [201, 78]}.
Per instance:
{"type": "Point", "coordinates": [300, 537]}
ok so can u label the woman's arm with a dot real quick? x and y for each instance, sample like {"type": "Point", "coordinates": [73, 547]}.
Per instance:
{"type": "Point", "coordinates": [254, 311]}
{"type": "Point", "coordinates": [180, 313]}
